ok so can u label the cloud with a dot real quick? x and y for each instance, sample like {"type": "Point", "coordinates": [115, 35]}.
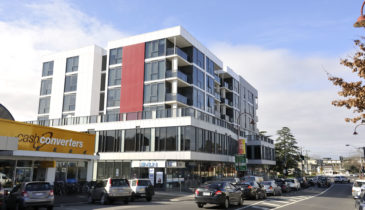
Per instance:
{"type": "Point", "coordinates": [43, 29]}
{"type": "Point", "coordinates": [294, 92]}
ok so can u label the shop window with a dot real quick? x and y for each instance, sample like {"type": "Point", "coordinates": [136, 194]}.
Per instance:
{"type": "Point", "coordinates": [130, 140]}
{"type": "Point", "coordinates": [7, 172]}
{"type": "Point", "coordinates": [188, 138]}
{"type": "Point", "coordinates": [171, 137]}
{"type": "Point", "coordinates": [110, 141]}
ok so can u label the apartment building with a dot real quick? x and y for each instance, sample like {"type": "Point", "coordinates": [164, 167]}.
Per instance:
{"type": "Point", "coordinates": [161, 104]}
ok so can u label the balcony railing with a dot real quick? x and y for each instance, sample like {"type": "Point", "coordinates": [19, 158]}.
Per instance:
{"type": "Point", "coordinates": [177, 74]}
{"type": "Point", "coordinates": [217, 79]}
{"type": "Point", "coordinates": [178, 51]}
{"type": "Point", "coordinates": [144, 115]}
{"type": "Point", "coordinates": [217, 95]}
{"type": "Point", "coordinates": [176, 97]}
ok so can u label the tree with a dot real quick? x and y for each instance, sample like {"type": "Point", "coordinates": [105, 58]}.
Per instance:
{"type": "Point", "coordinates": [286, 151]}
{"type": "Point", "coordinates": [352, 92]}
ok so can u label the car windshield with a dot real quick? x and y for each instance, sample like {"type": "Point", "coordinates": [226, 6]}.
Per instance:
{"type": "Point", "coordinates": [213, 185]}
{"type": "Point", "coordinates": [119, 182]}
{"type": "Point", "coordinates": [358, 184]}
{"type": "Point", "coordinates": [290, 180]}
{"type": "Point", "coordinates": [37, 187]}
{"type": "Point", "coordinates": [143, 182]}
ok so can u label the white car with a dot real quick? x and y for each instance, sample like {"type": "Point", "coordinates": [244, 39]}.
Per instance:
{"type": "Point", "coordinates": [356, 187]}
{"type": "Point", "coordinates": [293, 184]}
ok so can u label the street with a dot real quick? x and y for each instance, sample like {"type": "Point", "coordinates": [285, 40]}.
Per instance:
{"type": "Point", "coordinates": [337, 197]}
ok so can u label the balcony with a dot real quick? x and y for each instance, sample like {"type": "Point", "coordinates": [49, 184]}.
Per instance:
{"type": "Point", "coordinates": [226, 102]}
{"type": "Point", "coordinates": [176, 97]}
{"type": "Point", "coordinates": [217, 95]}
{"type": "Point", "coordinates": [178, 51]}
{"type": "Point", "coordinates": [178, 74]}
{"type": "Point", "coordinates": [217, 79]}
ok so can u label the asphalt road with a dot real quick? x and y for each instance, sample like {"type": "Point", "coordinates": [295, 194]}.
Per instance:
{"type": "Point", "coordinates": [337, 197]}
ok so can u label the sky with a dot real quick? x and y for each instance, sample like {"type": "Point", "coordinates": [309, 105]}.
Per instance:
{"type": "Point", "coordinates": [283, 48]}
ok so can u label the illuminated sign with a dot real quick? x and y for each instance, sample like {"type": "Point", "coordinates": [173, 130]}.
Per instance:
{"type": "Point", "coordinates": [47, 139]}
{"type": "Point", "coordinates": [241, 146]}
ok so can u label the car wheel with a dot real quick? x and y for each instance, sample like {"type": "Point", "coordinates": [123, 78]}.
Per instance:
{"type": "Point", "coordinates": [50, 208]}
{"type": "Point", "coordinates": [226, 203]}
{"type": "Point", "coordinates": [104, 199]}
{"type": "Point", "coordinates": [90, 199]}
{"type": "Point", "coordinates": [240, 202]}
{"type": "Point", "coordinates": [256, 196]}
{"type": "Point", "coordinates": [149, 198]}
{"type": "Point", "coordinates": [126, 201]}
{"type": "Point", "coordinates": [200, 205]}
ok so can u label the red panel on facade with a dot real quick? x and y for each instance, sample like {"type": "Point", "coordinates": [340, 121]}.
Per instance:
{"type": "Point", "coordinates": [131, 94]}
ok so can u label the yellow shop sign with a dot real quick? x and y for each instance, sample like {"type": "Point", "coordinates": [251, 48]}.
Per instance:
{"type": "Point", "coordinates": [47, 139]}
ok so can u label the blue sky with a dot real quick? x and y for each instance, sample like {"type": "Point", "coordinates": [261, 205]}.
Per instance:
{"type": "Point", "coordinates": [282, 47]}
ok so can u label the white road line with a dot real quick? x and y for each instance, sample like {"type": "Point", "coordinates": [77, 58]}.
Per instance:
{"type": "Point", "coordinates": [280, 201]}
{"type": "Point", "coordinates": [270, 204]}
{"type": "Point", "coordinates": [305, 198]}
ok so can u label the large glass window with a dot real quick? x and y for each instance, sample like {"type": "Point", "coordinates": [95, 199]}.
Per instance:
{"type": "Point", "coordinates": [72, 64]}
{"type": "Point", "coordinates": [155, 70]}
{"type": "Point", "coordinates": [199, 140]}
{"type": "Point", "coordinates": [171, 138]}
{"type": "Point", "coordinates": [102, 82]}
{"type": "Point", "coordinates": [47, 69]}
{"type": "Point", "coordinates": [110, 141]}
{"type": "Point", "coordinates": [198, 58]}
{"type": "Point", "coordinates": [46, 87]}
{"type": "Point", "coordinates": [71, 83]}
{"type": "Point", "coordinates": [44, 104]}
{"type": "Point", "coordinates": [155, 48]}
{"type": "Point", "coordinates": [188, 138]}
{"type": "Point", "coordinates": [198, 99]}
{"type": "Point", "coordinates": [113, 98]}
{"type": "Point", "coordinates": [115, 76]}
{"type": "Point", "coordinates": [210, 66]}
{"type": "Point", "coordinates": [210, 104]}
{"type": "Point", "coordinates": [101, 101]}
{"type": "Point", "coordinates": [130, 140]}
{"type": "Point", "coordinates": [257, 152]}
{"type": "Point", "coordinates": [115, 56]}
{"type": "Point", "coordinates": [210, 85]}
{"type": "Point", "coordinates": [136, 140]}
{"type": "Point", "coordinates": [154, 92]}
{"type": "Point", "coordinates": [198, 78]}
{"type": "Point", "coordinates": [69, 102]}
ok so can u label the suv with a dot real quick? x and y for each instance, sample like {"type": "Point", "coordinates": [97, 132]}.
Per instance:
{"type": "Point", "coordinates": [31, 194]}
{"type": "Point", "coordinates": [142, 188]}
{"type": "Point", "coordinates": [108, 190]}
{"type": "Point", "coordinates": [293, 184]}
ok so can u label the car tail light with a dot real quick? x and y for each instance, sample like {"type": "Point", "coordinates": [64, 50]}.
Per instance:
{"type": "Point", "coordinates": [196, 192]}
{"type": "Point", "coordinates": [270, 188]}
{"type": "Point", "coordinates": [218, 192]}
{"type": "Point", "coordinates": [51, 193]}
{"type": "Point", "coordinates": [24, 194]}
{"type": "Point", "coordinates": [110, 182]}
{"type": "Point", "coordinates": [137, 183]}
{"type": "Point", "coordinates": [249, 187]}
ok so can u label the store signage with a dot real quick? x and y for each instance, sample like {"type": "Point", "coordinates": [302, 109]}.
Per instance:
{"type": "Point", "coordinates": [151, 175]}
{"type": "Point", "coordinates": [47, 139]}
{"type": "Point", "coordinates": [241, 162]}
{"type": "Point", "coordinates": [175, 164]}
{"type": "Point", "coordinates": [47, 164]}
{"type": "Point", "coordinates": [148, 164]}
{"type": "Point", "coordinates": [242, 146]}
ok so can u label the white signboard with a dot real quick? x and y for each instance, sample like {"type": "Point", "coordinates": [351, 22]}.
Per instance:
{"type": "Point", "coordinates": [151, 175]}
{"type": "Point", "coordinates": [148, 164]}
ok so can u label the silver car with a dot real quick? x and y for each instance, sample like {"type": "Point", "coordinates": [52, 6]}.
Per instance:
{"type": "Point", "coordinates": [272, 188]}
{"type": "Point", "coordinates": [108, 190]}
{"type": "Point", "coordinates": [31, 194]}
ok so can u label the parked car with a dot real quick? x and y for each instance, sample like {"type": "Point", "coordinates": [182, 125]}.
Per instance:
{"type": "Point", "coordinates": [31, 194]}
{"type": "Point", "coordinates": [337, 179]}
{"type": "Point", "coordinates": [252, 190]}
{"type": "Point", "coordinates": [283, 184]}
{"type": "Point", "coordinates": [344, 179]}
{"type": "Point", "coordinates": [108, 190]}
{"type": "Point", "coordinates": [360, 200]}
{"type": "Point", "coordinates": [142, 188]}
{"type": "Point", "coordinates": [257, 179]}
{"type": "Point", "coordinates": [4, 179]}
{"type": "Point", "coordinates": [323, 181]}
{"type": "Point", "coordinates": [218, 192]}
{"type": "Point", "coordinates": [356, 187]}
{"type": "Point", "coordinates": [272, 188]}
{"type": "Point", "coordinates": [293, 184]}
{"type": "Point", "coordinates": [303, 182]}
{"type": "Point", "coordinates": [2, 197]}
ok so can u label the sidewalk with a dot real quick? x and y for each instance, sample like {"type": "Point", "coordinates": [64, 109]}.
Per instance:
{"type": "Point", "coordinates": [70, 199]}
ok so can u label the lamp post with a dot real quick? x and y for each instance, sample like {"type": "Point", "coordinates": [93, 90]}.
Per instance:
{"type": "Point", "coordinates": [361, 20]}
{"type": "Point", "coordinates": [239, 157]}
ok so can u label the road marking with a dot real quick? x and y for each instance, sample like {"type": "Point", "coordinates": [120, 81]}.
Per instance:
{"type": "Point", "coordinates": [305, 198]}
{"type": "Point", "coordinates": [271, 204]}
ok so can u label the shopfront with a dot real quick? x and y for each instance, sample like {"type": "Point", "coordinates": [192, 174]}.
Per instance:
{"type": "Point", "coordinates": [37, 153]}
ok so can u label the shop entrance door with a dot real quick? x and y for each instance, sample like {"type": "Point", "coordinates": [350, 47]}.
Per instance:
{"type": "Point", "coordinates": [23, 174]}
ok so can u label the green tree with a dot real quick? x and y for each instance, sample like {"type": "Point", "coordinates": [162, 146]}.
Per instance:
{"type": "Point", "coordinates": [286, 151]}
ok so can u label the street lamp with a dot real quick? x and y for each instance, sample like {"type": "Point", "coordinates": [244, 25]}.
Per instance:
{"type": "Point", "coordinates": [355, 133]}
{"type": "Point", "coordinates": [361, 20]}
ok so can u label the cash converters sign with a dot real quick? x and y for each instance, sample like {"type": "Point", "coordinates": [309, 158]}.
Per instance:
{"type": "Point", "coordinates": [47, 139]}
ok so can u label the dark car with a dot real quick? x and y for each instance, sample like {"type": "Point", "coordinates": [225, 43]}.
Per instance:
{"type": "Point", "coordinates": [31, 194]}
{"type": "Point", "coordinates": [2, 197]}
{"type": "Point", "coordinates": [323, 181]}
{"type": "Point", "coordinates": [283, 184]}
{"type": "Point", "coordinates": [303, 182]}
{"type": "Point", "coordinates": [252, 190]}
{"type": "Point", "coordinates": [222, 193]}
{"type": "Point", "coordinates": [360, 201]}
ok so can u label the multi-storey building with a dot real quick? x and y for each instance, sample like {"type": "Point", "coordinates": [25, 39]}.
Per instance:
{"type": "Point", "coordinates": [161, 105]}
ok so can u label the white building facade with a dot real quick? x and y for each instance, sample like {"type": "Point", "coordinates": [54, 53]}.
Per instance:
{"type": "Point", "coordinates": [161, 105]}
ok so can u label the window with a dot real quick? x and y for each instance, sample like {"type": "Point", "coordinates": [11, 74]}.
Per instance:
{"type": "Point", "coordinates": [115, 76]}
{"type": "Point", "coordinates": [154, 92]}
{"type": "Point", "coordinates": [44, 105]}
{"type": "Point", "coordinates": [130, 140]}
{"type": "Point", "coordinates": [171, 137]}
{"type": "Point", "coordinates": [155, 70]}
{"type": "Point", "coordinates": [210, 66]}
{"type": "Point", "coordinates": [155, 48]}
{"type": "Point", "coordinates": [46, 87]}
{"type": "Point", "coordinates": [136, 140]}
{"type": "Point", "coordinates": [210, 85]}
{"type": "Point", "coordinates": [160, 138]}
{"type": "Point", "coordinates": [199, 140]}
{"type": "Point", "coordinates": [257, 152]}
{"type": "Point", "coordinates": [235, 86]}
{"type": "Point", "coordinates": [115, 56]}
{"type": "Point", "coordinates": [198, 58]}
{"type": "Point", "coordinates": [198, 99]}
{"type": "Point", "coordinates": [113, 97]}
{"type": "Point", "coordinates": [71, 83]}
{"type": "Point", "coordinates": [198, 78]}
{"type": "Point", "coordinates": [72, 64]}
{"type": "Point", "coordinates": [47, 69]}
{"type": "Point", "coordinates": [102, 82]}
{"type": "Point", "coordinates": [101, 102]}
{"type": "Point", "coordinates": [210, 104]}
{"type": "Point", "coordinates": [188, 138]}
{"type": "Point", "coordinates": [103, 63]}
{"type": "Point", "coordinates": [110, 141]}
{"type": "Point", "coordinates": [69, 102]}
